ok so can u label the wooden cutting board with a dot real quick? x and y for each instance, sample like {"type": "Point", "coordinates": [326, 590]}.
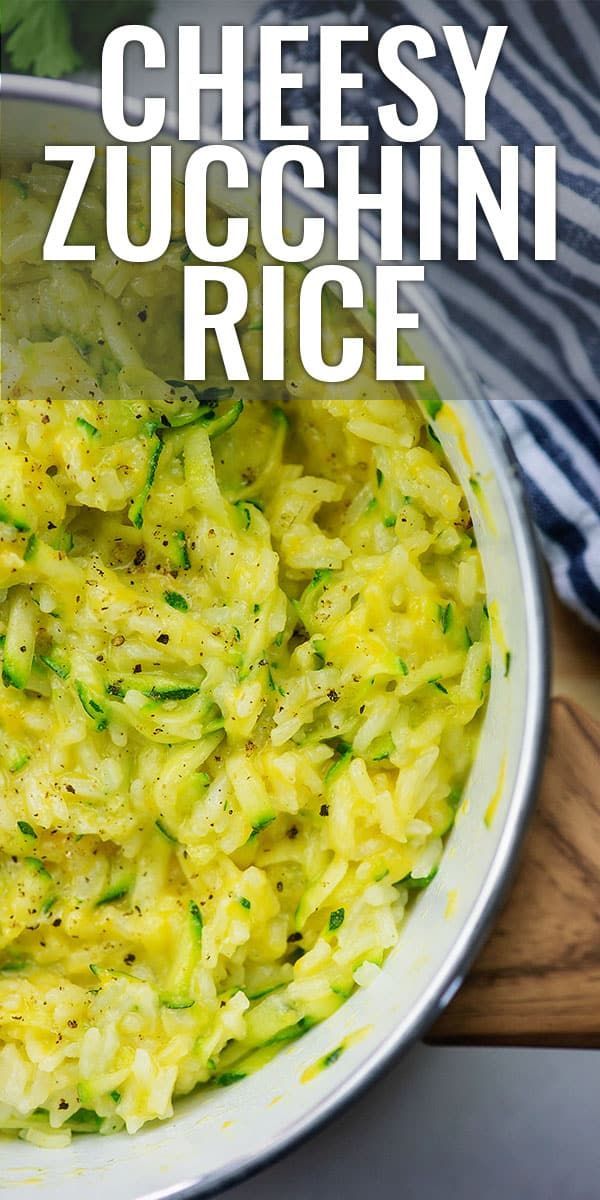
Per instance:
{"type": "Point", "coordinates": [537, 980]}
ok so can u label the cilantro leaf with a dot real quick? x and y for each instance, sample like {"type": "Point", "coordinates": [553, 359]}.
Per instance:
{"type": "Point", "coordinates": [40, 37]}
{"type": "Point", "coordinates": [56, 37]}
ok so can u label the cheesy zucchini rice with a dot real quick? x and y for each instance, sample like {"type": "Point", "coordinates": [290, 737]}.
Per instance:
{"type": "Point", "coordinates": [244, 652]}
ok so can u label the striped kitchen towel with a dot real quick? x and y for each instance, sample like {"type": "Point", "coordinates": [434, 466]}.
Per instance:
{"type": "Point", "coordinates": [531, 330]}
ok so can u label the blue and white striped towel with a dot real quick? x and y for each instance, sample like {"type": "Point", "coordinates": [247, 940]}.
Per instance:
{"type": "Point", "coordinates": [531, 330]}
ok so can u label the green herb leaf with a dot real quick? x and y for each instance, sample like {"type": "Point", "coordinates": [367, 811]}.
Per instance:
{"type": "Point", "coordinates": [40, 38]}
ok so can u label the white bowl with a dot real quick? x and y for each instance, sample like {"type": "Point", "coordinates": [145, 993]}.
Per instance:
{"type": "Point", "coordinates": [218, 1136]}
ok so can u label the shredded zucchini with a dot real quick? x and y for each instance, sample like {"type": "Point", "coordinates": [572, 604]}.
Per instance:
{"type": "Point", "coordinates": [244, 651]}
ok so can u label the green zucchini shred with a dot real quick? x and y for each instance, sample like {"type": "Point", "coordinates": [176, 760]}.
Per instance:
{"type": "Point", "coordinates": [136, 508]}
{"type": "Point", "coordinates": [172, 693]}
{"type": "Point", "coordinates": [19, 641]}
{"type": "Point", "coordinates": [87, 427]}
{"type": "Point", "coordinates": [85, 1120]}
{"type": "Point", "coordinates": [165, 832]}
{"type": "Point", "coordinates": [329, 1059]}
{"type": "Point", "coordinates": [445, 616]}
{"type": "Point", "coordinates": [207, 395]}
{"type": "Point", "coordinates": [20, 761]}
{"type": "Point", "coordinates": [38, 866]}
{"type": "Point", "coordinates": [176, 600]}
{"type": "Point", "coordinates": [260, 825]}
{"type": "Point", "coordinates": [273, 685]}
{"type": "Point", "coordinates": [345, 754]}
{"type": "Point", "coordinates": [229, 1077]}
{"type": "Point", "coordinates": [440, 687]}
{"type": "Point", "coordinates": [117, 891]}
{"type": "Point", "coordinates": [94, 710]}
{"type": "Point", "coordinates": [31, 547]}
{"type": "Point", "coordinates": [291, 1032]}
{"type": "Point", "coordinates": [6, 518]}
{"type": "Point", "coordinates": [59, 669]}
{"type": "Point", "coordinates": [13, 964]}
{"type": "Point", "coordinates": [336, 918]}
{"type": "Point", "coordinates": [181, 550]}
{"type": "Point", "coordinates": [195, 920]}
{"type": "Point", "coordinates": [418, 883]}
{"type": "Point", "coordinates": [214, 425]}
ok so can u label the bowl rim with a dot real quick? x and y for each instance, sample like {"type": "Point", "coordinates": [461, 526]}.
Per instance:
{"type": "Point", "coordinates": [453, 968]}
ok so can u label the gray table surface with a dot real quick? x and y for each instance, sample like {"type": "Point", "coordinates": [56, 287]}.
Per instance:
{"type": "Point", "coordinates": [465, 1124]}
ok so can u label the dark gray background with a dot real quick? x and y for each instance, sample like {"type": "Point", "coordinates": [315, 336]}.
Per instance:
{"type": "Point", "coordinates": [459, 1124]}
